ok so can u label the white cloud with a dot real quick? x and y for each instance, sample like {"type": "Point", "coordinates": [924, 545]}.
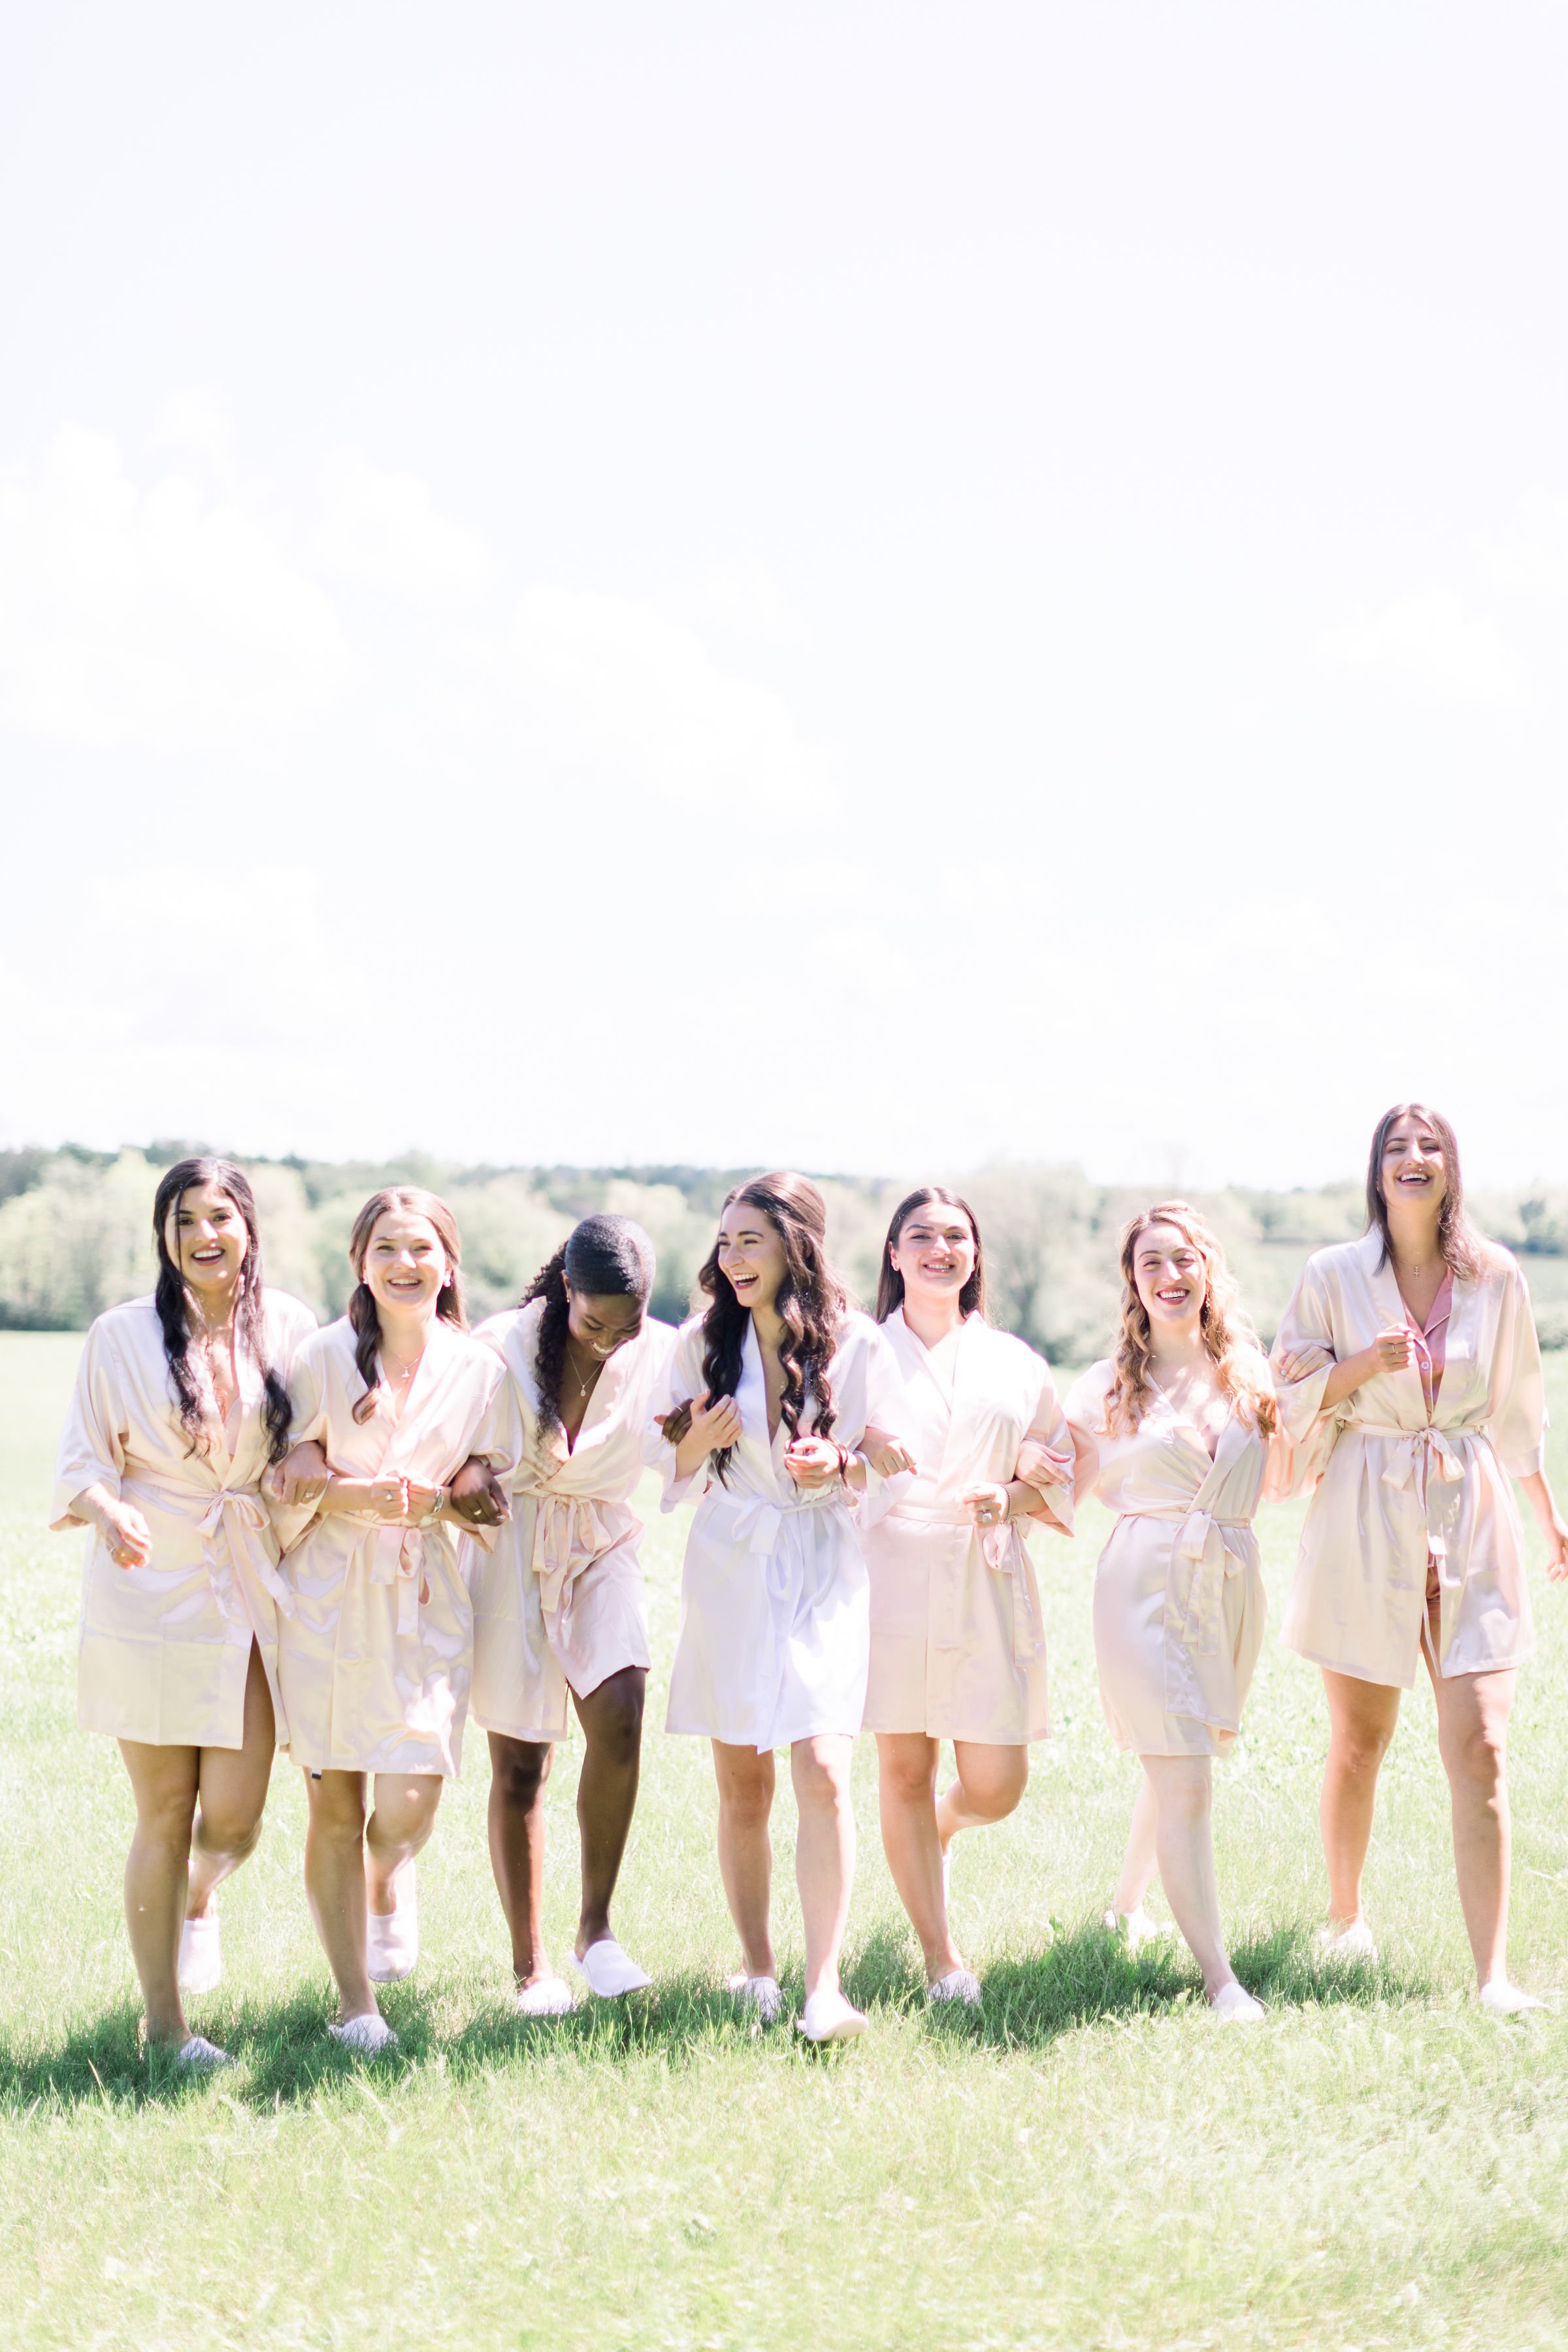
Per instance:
{"type": "Point", "coordinates": [1435, 646]}
{"type": "Point", "coordinates": [159, 616]}
{"type": "Point", "coordinates": [381, 530]}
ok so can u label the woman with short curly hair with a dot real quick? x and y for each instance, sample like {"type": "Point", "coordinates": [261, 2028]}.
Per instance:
{"type": "Point", "coordinates": [1179, 1435]}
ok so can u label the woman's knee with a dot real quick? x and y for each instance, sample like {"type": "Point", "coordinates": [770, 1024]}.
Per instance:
{"type": "Point", "coordinates": [909, 1780]}
{"type": "Point", "coordinates": [1475, 1756]}
{"type": "Point", "coordinates": [994, 1790]}
{"type": "Point", "coordinates": [520, 1769]}
{"type": "Point", "coordinates": [337, 1810]}
{"type": "Point", "coordinates": [1359, 1748]}
{"type": "Point", "coordinates": [746, 1798]}
{"type": "Point", "coordinates": [821, 1783]}
{"type": "Point", "coordinates": [228, 1828]}
{"type": "Point", "coordinates": [617, 1718]}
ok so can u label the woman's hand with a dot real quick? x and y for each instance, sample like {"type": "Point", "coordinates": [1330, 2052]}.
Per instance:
{"type": "Point", "coordinates": [1549, 1519]}
{"type": "Point", "coordinates": [988, 1506]}
{"type": "Point", "coordinates": [886, 1455]}
{"type": "Point", "coordinates": [302, 1476]}
{"type": "Point", "coordinates": [477, 1496]}
{"type": "Point", "coordinates": [1038, 1466]}
{"type": "Point", "coordinates": [1392, 1350]}
{"type": "Point", "coordinates": [1298, 1363]}
{"type": "Point", "coordinates": [712, 1428]}
{"type": "Point", "coordinates": [812, 1462]}
{"type": "Point", "coordinates": [125, 1531]}
{"type": "Point", "coordinates": [422, 1503]}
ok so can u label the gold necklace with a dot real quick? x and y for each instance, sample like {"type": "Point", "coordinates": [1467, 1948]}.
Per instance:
{"type": "Point", "coordinates": [584, 1385]}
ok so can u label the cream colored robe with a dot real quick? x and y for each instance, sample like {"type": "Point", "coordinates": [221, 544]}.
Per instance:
{"type": "Point", "coordinates": [774, 1623]}
{"type": "Point", "coordinates": [1179, 1602]}
{"type": "Point", "coordinates": [958, 1648]}
{"type": "Point", "coordinates": [165, 1650]}
{"type": "Point", "coordinates": [558, 1599]}
{"type": "Point", "coordinates": [1391, 1484]}
{"type": "Point", "coordinates": [376, 1658]}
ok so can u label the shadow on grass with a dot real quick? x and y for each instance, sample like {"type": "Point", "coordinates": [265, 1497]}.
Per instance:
{"type": "Point", "coordinates": [287, 2056]}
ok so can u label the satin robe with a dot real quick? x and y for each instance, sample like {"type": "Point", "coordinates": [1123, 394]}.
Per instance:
{"type": "Point", "coordinates": [958, 1647]}
{"type": "Point", "coordinates": [377, 1657]}
{"type": "Point", "coordinates": [1179, 1604]}
{"type": "Point", "coordinates": [558, 1599]}
{"type": "Point", "coordinates": [165, 1650]}
{"type": "Point", "coordinates": [1394, 1484]}
{"type": "Point", "coordinates": [774, 1621]}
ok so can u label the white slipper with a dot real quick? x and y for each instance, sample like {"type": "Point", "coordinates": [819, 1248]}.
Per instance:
{"type": "Point", "coordinates": [761, 1993]}
{"type": "Point", "coordinates": [1135, 1929]}
{"type": "Point", "coordinates": [959, 1984]}
{"type": "Point", "coordinates": [609, 1970]}
{"type": "Point", "coordinates": [392, 1939]}
{"type": "Point", "coordinates": [201, 1955]}
{"type": "Point", "coordinates": [830, 2018]}
{"type": "Point", "coordinates": [199, 2056]}
{"type": "Point", "coordinates": [545, 1997]}
{"type": "Point", "coordinates": [368, 2033]}
{"type": "Point", "coordinates": [1501, 1998]}
{"type": "Point", "coordinates": [1352, 1943]}
{"type": "Point", "coordinates": [1233, 2005]}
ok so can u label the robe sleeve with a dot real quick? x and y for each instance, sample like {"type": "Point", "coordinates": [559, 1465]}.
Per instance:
{"type": "Point", "coordinates": [1083, 1409]}
{"type": "Point", "coordinates": [498, 1438]}
{"type": "Point", "coordinates": [307, 1399]}
{"type": "Point", "coordinates": [874, 1397]}
{"type": "Point", "coordinates": [679, 1382]}
{"type": "Point", "coordinates": [1518, 1412]}
{"type": "Point", "coordinates": [92, 1443]}
{"type": "Point", "coordinates": [291, 1324]}
{"type": "Point", "coordinates": [1281, 1453]}
{"type": "Point", "coordinates": [1048, 1429]}
{"type": "Point", "coordinates": [1308, 1322]}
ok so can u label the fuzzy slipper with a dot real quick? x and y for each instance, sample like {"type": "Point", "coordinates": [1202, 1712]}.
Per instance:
{"type": "Point", "coordinates": [609, 1970]}
{"type": "Point", "coordinates": [201, 1955]}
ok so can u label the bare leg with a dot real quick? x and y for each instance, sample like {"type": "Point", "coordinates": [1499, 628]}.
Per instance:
{"type": "Point", "coordinates": [233, 1792]}
{"type": "Point", "coordinates": [991, 1780]}
{"type": "Point", "coordinates": [163, 1781]}
{"type": "Point", "coordinates": [334, 1884]}
{"type": "Point", "coordinates": [611, 1718]}
{"type": "Point", "coordinates": [906, 1796]}
{"type": "Point", "coordinates": [1472, 1738]}
{"type": "Point", "coordinates": [745, 1851]}
{"type": "Point", "coordinates": [1183, 1845]}
{"type": "Point", "coordinates": [824, 1851]}
{"type": "Point", "coordinates": [403, 1817]}
{"type": "Point", "coordinates": [1361, 1721]}
{"type": "Point", "coordinates": [519, 1770]}
{"type": "Point", "coordinates": [1138, 1863]}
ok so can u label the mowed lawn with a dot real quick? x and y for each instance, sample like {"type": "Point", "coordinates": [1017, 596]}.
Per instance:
{"type": "Point", "coordinates": [1088, 2161]}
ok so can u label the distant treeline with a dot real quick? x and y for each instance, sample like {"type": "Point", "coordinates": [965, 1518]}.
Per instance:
{"type": "Point", "coordinates": [74, 1234]}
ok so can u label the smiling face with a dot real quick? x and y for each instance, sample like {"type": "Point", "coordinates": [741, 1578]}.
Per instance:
{"type": "Point", "coordinates": [404, 1264]}
{"type": "Point", "coordinates": [750, 1254]}
{"type": "Point", "coordinates": [1170, 1277]}
{"type": "Point", "coordinates": [205, 1237]}
{"type": "Point", "coordinates": [601, 1325]}
{"type": "Point", "coordinates": [935, 1252]}
{"type": "Point", "coordinates": [1413, 1166]}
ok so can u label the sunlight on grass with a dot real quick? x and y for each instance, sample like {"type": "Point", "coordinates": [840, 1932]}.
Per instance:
{"type": "Point", "coordinates": [1085, 2161]}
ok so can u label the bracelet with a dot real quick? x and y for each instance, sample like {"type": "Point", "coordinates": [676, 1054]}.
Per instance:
{"type": "Point", "coordinates": [439, 1504]}
{"type": "Point", "coordinates": [845, 1459]}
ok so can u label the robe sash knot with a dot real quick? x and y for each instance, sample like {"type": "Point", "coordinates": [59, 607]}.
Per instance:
{"type": "Point", "coordinates": [233, 1525]}
{"type": "Point", "coordinates": [1427, 1460]}
{"type": "Point", "coordinates": [1199, 1669]}
{"type": "Point", "coordinates": [394, 1554]}
{"type": "Point", "coordinates": [568, 1537]}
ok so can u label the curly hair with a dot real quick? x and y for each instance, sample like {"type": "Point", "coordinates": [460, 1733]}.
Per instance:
{"type": "Point", "coordinates": [171, 1299]}
{"type": "Point", "coordinates": [1462, 1249]}
{"type": "Point", "coordinates": [1227, 1335]}
{"type": "Point", "coordinates": [810, 1304]}
{"type": "Point", "coordinates": [890, 1282]}
{"type": "Point", "coordinates": [602, 1257]}
{"type": "Point", "coordinates": [413, 1200]}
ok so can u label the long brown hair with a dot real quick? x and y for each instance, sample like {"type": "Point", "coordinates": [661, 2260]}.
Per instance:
{"type": "Point", "coordinates": [1462, 1249]}
{"type": "Point", "coordinates": [810, 1304]}
{"type": "Point", "coordinates": [172, 1300]}
{"type": "Point", "coordinates": [1226, 1334]}
{"type": "Point", "coordinates": [890, 1282]}
{"type": "Point", "coordinates": [414, 1201]}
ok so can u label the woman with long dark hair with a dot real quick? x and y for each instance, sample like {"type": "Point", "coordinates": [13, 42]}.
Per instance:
{"type": "Point", "coordinates": [958, 1645]}
{"type": "Point", "coordinates": [762, 1414]}
{"type": "Point", "coordinates": [1177, 1433]}
{"type": "Point", "coordinates": [559, 1612]}
{"type": "Point", "coordinates": [1414, 1389]}
{"type": "Point", "coordinates": [180, 1407]}
{"type": "Point", "coordinates": [377, 1653]}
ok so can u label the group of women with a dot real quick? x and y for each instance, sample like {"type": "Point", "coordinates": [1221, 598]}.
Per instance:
{"type": "Point", "coordinates": [343, 1540]}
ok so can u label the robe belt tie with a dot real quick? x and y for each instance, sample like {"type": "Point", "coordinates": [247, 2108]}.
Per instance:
{"type": "Point", "coordinates": [1424, 1458]}
{"type": "Point", "coordinates": [1218, 1549]}
{"type": "Point", "coordinates": [399, 1556]}
{"type": "Point", "coordinates": [568, 1537]}
{"type": "Point", "coordinates": [233, 1521]}
{"type": "Point", "coordinates": [758, 1522]}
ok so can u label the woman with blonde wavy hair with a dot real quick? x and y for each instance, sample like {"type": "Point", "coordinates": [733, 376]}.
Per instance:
{"type": "Point", "coordinates": [1179, 1437]}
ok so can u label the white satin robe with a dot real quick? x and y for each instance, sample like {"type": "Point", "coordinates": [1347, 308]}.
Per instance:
{"type": "Point", "coordinates": [558, 1598]}
{"type": "Point", "coordinates": [1179, 1603]}
{"type": "Point", "coordinates": [774, 1621]}
{"type": "Point", "coordinates": [377, 1657]}
{"type": "Point", "coordinates": [165, 1650]}
{"type": "Point", "coordinates": [958, 1644]}
{"type": "Point", "coordinates": [1393, 1483]}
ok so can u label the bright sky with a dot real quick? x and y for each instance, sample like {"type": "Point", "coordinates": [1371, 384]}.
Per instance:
{"type": "Point", "coordinates": [864, 585]}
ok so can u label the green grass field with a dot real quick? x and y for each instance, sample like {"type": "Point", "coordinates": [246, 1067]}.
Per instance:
{"type": "Point", "coordinates": [1087, 2162]}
